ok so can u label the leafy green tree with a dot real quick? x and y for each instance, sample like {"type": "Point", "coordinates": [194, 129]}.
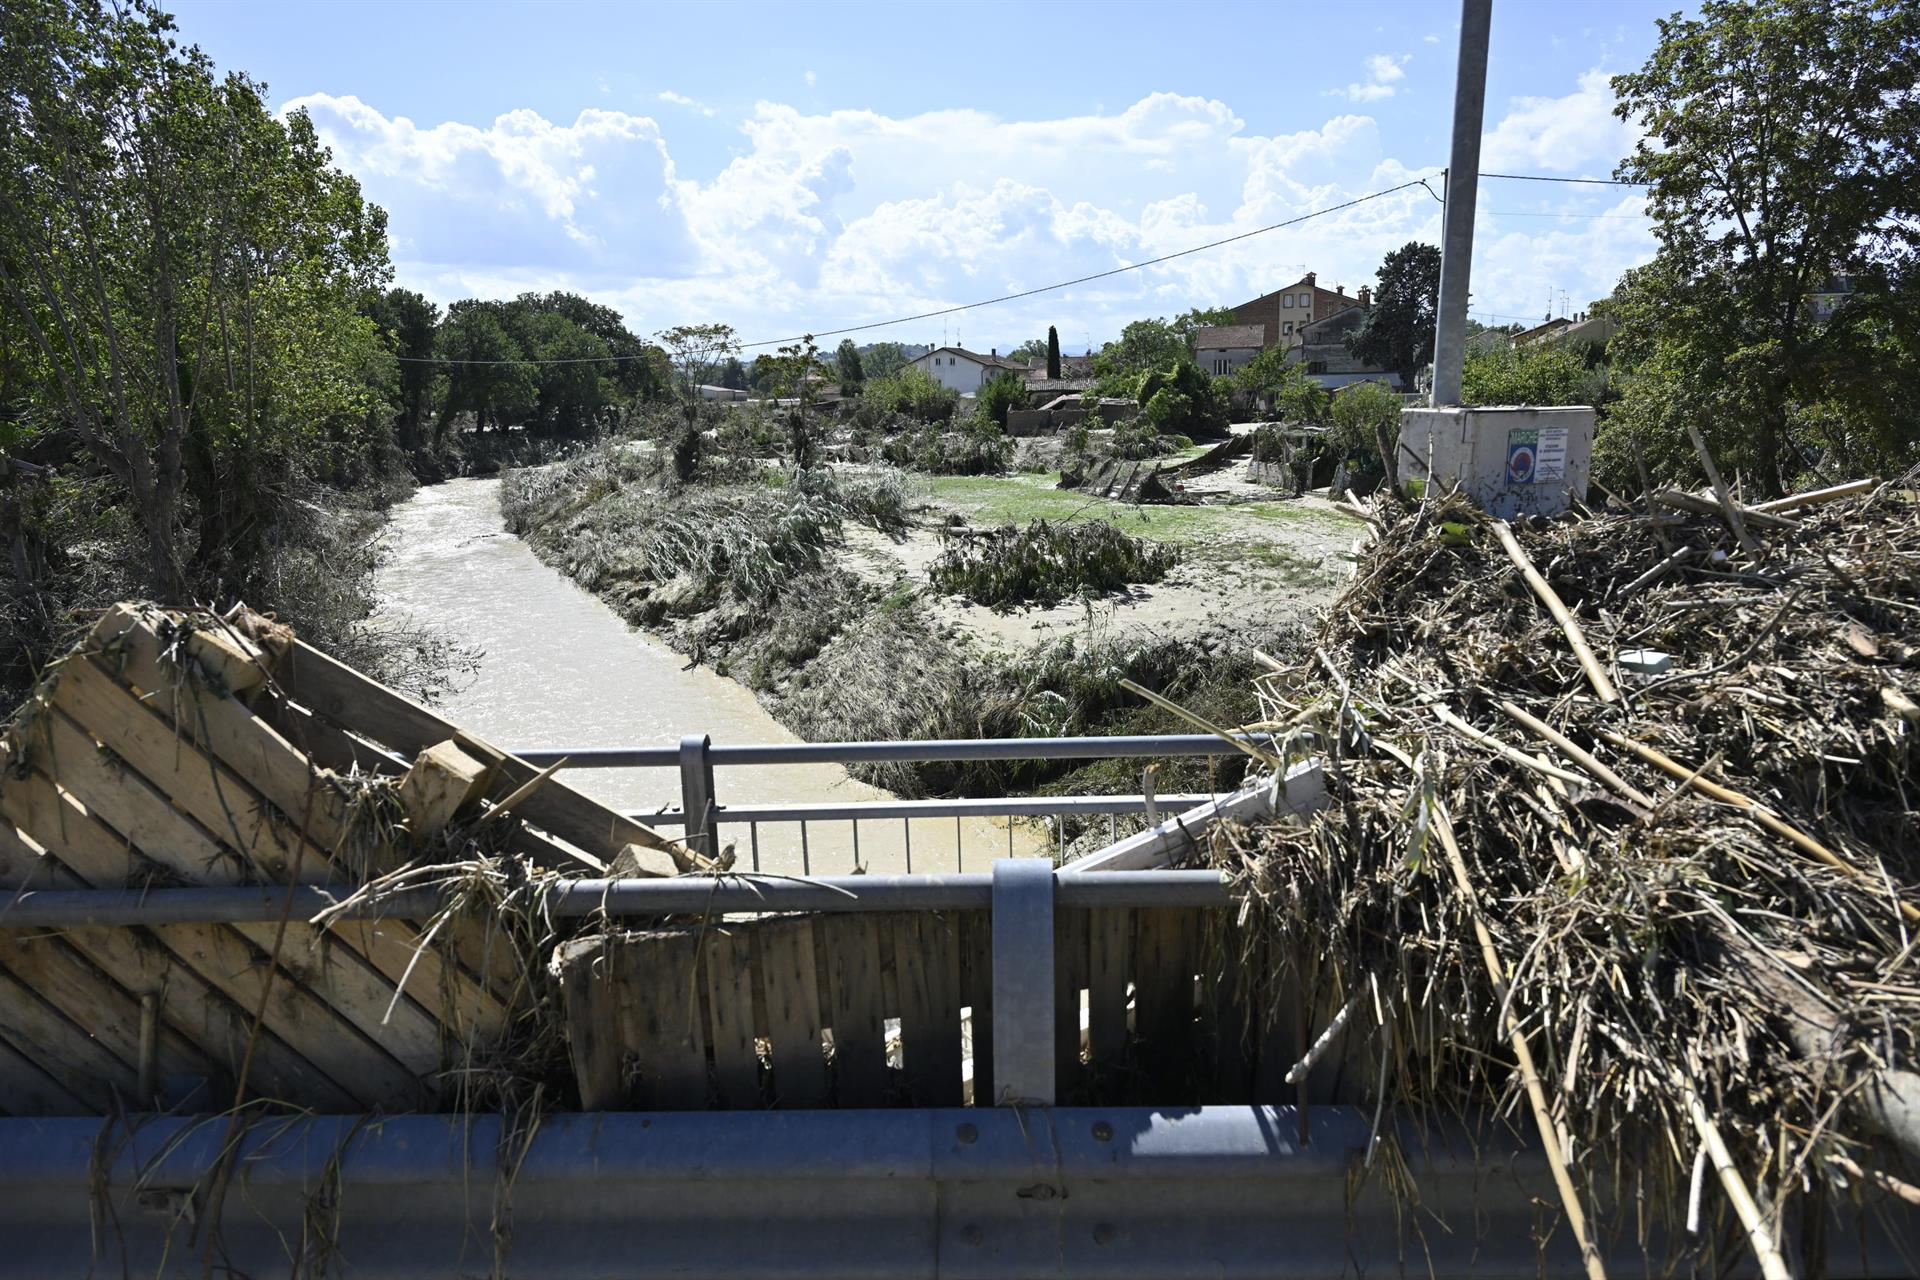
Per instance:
{"type": "Point", "coordinates": [1143, 346]}
{"type": "Point", "coordinates": [487, 371]}
{"type": "Point", "coordinates": [1031, 349]}
{"type": "Point", "coordinates": [1181, 400]}
{"type": "Point", "coordinates": [883, 360]}
{"type": "Point", "coordinates": [1782, 149]}
{"type": "Point", "coordinates": [1053, 353]}
{"type": "Point", "coordinates": [852, 373]}
{"type": "Point", "coordinates": [1367, 415]}
{"type": "Point", "coordinates": [1003, 392]}
{"type": "Point", "coordinates": [1196, 318]}
{"type": "Point", "coordinates": [1398, 334]}
{"type": "Point", "coordinates": [183, 272]}
{"type": "Point", "coordinates": [797, 368]}
{"type": "Point", "coordinates": [733, 374]}
{"type": "Point", "coordinates": [407, 323]}
{"type": "Point", "coordinates": [1536, 374]}
{"type": "Point", "coordinates": [914, 392]}
{"type": "Point", "coordinates": [695, 351]}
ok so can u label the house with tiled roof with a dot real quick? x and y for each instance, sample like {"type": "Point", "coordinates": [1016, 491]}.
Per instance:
{"type": "Point", "coordinates": [1223, 348]}
{"type": "Point", "coordinates": [963, 370]}
{"type": "Point", "coordinates": [1283, 314]}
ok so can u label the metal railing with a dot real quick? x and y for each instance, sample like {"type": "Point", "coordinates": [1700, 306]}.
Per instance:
{"type": "Point", "coordinates": [701, 814]}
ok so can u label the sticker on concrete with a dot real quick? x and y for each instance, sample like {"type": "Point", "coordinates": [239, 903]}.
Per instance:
{"type": "Point", "coordinates": [1550, 455]}
{"type": "Point", "coordinates": [1523, 445]}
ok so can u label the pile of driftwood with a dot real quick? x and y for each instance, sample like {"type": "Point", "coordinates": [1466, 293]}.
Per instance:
{"type": "Point", "coordinates": [1626, 841]}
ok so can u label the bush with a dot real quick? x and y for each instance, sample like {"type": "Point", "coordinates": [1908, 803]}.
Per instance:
{"type": "Point", "coordinates": [1363, 416]}
{"type": "Point", "coordinates": [981, 449]}
{"type": "Point", "coordinates": [1539, 373]}
{"type": "Point", "coordinates": [1002, 392]}
{"type": "Point", "coordinates": [1046, 563]}
{"type": "Point", "coordinates": [1181, 399]}
{"type": "Point", "coordinates": [912, 392]}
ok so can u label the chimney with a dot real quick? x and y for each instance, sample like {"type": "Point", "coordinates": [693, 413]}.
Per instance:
{"type": "Point", "coordinates": [1366, 295]}
{"type": "Point", "coordinates": [1310, 279]}
{"type": "Point", "coordinates": [995, 351]}
{"type": "Point", "coordinates": [1340, 289]}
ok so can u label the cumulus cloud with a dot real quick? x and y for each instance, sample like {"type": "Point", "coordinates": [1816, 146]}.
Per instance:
{"type": "Point", "coordinates": [1383, 69]}
{"type": "Point", "coordinates": [682, 100]}
{"type": "Point", "coordinates": [812, 79]}
{"type": "Point", "coordinates": [826, 219]}
{"type": "Point", "coordinates": [1562, 135]}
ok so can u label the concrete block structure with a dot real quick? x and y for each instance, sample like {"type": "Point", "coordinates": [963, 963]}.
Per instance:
{"type": "Point", "coordinates": [1510, 460]}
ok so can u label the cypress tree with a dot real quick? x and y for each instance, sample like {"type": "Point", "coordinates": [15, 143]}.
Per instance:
{"type": "Point", "coordinates": [1053, 352]}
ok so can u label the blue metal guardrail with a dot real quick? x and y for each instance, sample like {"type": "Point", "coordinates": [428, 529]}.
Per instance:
{"type": "Point", "coordinates": [696, 757]}
{"type": "Point", "coordinates": [982, 1194]}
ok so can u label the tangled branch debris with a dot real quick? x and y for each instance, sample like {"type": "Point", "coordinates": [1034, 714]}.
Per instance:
{"type": "Point", "coordinates": [1679, 925]}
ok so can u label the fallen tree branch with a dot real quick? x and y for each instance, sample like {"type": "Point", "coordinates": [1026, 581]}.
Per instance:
{"type": "Point", "coordinates": [1596, 674]}
{"type": "Point", "coordinates": [1579, 755]}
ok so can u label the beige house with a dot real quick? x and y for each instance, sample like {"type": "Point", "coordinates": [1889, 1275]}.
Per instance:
{"type": "Point", "coordinates": [1284, 314]}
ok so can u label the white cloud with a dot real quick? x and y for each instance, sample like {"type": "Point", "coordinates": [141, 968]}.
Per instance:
{"type": "Point", "coordinates": [682, 100]}
{"type": "Point", "coordinates": [1383, 69]}
{"type": "Point", "coordinates": [827, 219]}
{"type": "Point", "coordinates": [1562, 135]}
{"type": "Point", "coordinates": [811, 79]}
{"type": "Point", "coordinates": [1429, 39]}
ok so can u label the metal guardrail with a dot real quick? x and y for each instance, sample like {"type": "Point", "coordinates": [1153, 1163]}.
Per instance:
{"type": "Point", "coordinates": [696, 758]}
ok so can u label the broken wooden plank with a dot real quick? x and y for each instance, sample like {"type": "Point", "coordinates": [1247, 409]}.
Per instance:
{"type": "Point", "coordinates": [337, 691]}
{"type": "Point", "coordinates": [443, 781]}
{"type": "Point", "coordinates": [1110, 966]}
{"type": "Point", "coordinates": [594, 1039]}
{"type": "Point", "coordinates": [654, 974]}
{"type": "Point", "coordinates": [784, 956]}
{"type": "Point", "coordinates": [1070, 967]}
{"type": "Point", "coordinates": [83, 1066]}
{"type": "Point", "coordinates": [727, 962]}
{"type": "Point", "coordinates": [856, 1011]}
{"type": "Point", "coordinates": [926, 954]}
{"type": "Point", "coordinates": [69, 982]}
{"type": "Point", "coordinates": [1302, 792]}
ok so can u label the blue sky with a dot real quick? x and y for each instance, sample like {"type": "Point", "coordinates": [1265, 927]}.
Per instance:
{"type": "Point", "coordinates": [796, 167]}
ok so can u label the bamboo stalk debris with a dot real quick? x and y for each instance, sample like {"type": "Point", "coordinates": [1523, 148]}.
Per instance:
{"type": "Point", "coordinates": [1626, 912]}
{"type": "Point", "coordinates": [1814, 497]}
{"type": "Point", "coordinates": [1728, 507]}
{"type": "Point", "coordinates": [1596, 674]}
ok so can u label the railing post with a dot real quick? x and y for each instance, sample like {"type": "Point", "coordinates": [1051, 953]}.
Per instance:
{"type": "Point", "coordinates": [1023, 1027]}
{"type": "Point", "coordinates": [696, 794]}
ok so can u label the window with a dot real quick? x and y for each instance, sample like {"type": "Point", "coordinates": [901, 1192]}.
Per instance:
{"type": "Point", "coordinates": [1317, 366]}
{"type": "Point", "coordinates": [1306, 299]}
{"type": "Point", "coordinates": [1220, 365]}
{"type": "Point", "coordinates": [1287, 327]}
{"type": "Point", "coordinates": [1287, 302]}
{"type": "Point", "coordinates": [936, 359]}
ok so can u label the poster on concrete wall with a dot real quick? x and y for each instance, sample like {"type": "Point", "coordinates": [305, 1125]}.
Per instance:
{"type": "Point", "coordinates": [1550, 455]}
{"type": "Point", "coordinates": [1523, 446]}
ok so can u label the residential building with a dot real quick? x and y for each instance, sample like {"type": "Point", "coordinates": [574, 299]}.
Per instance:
{"type": "Point", "coordinates": [965, 371]}
{"type": "Point", "coordinates": [1223, 349]}
{"type": "Point", "coordinates": [1553, 325]}
{"type": "Point", "coordinates": [1825, 299]}
{"type": "Point", "coordinates": [1283, 314]}
{"type": "Point", "coordinates": [1323, 349]}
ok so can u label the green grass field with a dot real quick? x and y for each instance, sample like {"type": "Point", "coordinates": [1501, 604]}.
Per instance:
{"type": "Point", "coordinates": [1019, 499]}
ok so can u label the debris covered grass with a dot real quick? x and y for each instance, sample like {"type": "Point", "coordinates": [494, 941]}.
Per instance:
{"type": "Point", "coordinates": [1046, 563]}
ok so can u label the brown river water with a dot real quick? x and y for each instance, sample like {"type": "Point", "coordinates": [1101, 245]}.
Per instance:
{"type": "Point", "coordinates": [560, 669]}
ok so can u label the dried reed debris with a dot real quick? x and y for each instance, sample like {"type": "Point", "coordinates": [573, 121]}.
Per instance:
{"type": "Point", "coordinates": [1698, 903]}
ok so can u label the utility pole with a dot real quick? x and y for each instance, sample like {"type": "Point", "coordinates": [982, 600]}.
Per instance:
{"type": "Point", "coordinates": [1463, 183]}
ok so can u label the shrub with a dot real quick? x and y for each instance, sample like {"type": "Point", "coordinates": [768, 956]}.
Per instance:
{"type": "Point", "coordinates": [1002, 392]}
{"type": "Point", "coordinates": [979, 449]}
{"type": "Point", "coordinates": [1537, 374]}
{"type": "Point", "coordinates": [912, 392]}
{"type": "Point", "coordinates": [1046, 563]}
{"type": "Point", "coordinates": [1181, 399]}
{"type": "Point", "coordinates": [1363, 417]}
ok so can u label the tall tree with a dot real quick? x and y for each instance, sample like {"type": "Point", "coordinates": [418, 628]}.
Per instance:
{"type": "Point", "coordinates": [846, 358]}
{"type": "Point", "coordinates": [407, 323]}
{"type": "Point", "coordinates": [1053, 353]}
{"type": "Point", "coordinates": [695, 351]}
{"type": "Point", "coordinates": [186, 270]}
{"type": "Point", "coordinates": [1398, 334]}
{"type": "Point", "coordinates": [883, 360]}
{"type": "Point", "coordinates": [1782, 150]}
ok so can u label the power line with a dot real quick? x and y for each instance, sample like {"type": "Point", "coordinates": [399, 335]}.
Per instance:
{"type": "Point", "coordinates": [1068, 284]}
{"type": "Point", "coordinates": [1591, 182]}
{"type": "Point", "coordinates": [947, 311]}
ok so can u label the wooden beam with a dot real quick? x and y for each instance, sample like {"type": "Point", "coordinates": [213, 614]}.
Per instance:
{"type": "Point", "coordinates": [1569, 625]}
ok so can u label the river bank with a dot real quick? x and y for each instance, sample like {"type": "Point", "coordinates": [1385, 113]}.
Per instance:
{"type": "Point", "coordinates": [551, 666]}
{"type": "Point", "coordinates": [818, 601]}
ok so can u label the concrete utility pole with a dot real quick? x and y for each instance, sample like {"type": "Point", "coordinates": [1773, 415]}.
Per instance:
{"type": "Point", "coordinates": [1463, 183]}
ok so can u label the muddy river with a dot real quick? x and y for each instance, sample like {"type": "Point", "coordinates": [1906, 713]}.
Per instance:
{"type": "Point", "coordinates": [561, 669]}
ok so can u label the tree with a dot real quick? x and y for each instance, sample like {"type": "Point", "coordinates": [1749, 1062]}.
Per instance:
{"type": "Point", "coordinates": [1143, 346]}
{"type": "Point", "coordinates": [1197, 318]}
{"type": "Point", "coordinates": [184, 272]}
{"type": "Point", "coordinates": [1782, 150]}
{"type": "Point", "coordinates": [1398, 334]}
{"type": "Point", "coordinates": [1053, 353]}
{"type": "Point", "coordinates": [1180, 400]}
{"type": "Point", "coordinates": [883, 360]}
{"type": "Point", "coordinates": [733, 375]}
{"type": "Point", "coordinates": [407, 323]}
{"type": "Point", "coordinates": [694, 351]}
{"type": "Point", "coordinates": [1537, 374]}
{"type": "Point", "coordinates": [794, 371]}
{"type": "Point", "coordinates": [1368, 414]}
{"type": "Point", "coordinates": [847, 360]}
{"type": "Point", "coordinates": [1003, 392]}
{"type": "Point", "coordinates": [1031, 349]}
